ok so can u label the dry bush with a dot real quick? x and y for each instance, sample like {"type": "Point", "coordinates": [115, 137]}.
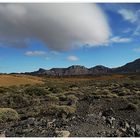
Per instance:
{"type": "Point", "coordinates": [8, 114]}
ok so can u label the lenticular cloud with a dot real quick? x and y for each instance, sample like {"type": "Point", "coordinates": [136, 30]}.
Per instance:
{"type": "Point", "coordinates": [59, 26]}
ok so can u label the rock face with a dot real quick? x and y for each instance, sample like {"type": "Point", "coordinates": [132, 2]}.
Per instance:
{"type": "Point", "coordinates": [81, 70]}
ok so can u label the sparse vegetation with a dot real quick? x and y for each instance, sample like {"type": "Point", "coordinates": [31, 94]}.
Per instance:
{"type": "Point", "coordinates": [67, 98]}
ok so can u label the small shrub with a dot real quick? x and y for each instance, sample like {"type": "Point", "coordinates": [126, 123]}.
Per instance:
{"type": "Point", "coordinates": [72, 99]}
{"type": "Point", "coordinates": [97, 96]}
{"type": "Point", "coordinates": [136, 102]}
{"type": "Point", "coordinates": [59, 110]}
{"type": "Point", "coordinates": [55, 89]}
{"type": "Point", "coordinates": [108, 99]}
{"type": "Point", "coordinates": [132, 106]}
{"type": "Point", "coordinates": [111, 96]}
{"type": "Point", "coordinates": [66, 109]}
{"type": "Point", "coordinates": [19, 100]}
{"type": "Point", "coordinates": [106, 92]}
{"type": "Point", "coordinates": [33, 111]}
{"type": "Point", "coordinates": [62, 97]}
{"type": "Point", "coordinates": [33, 90]}
{"type": "Point", "coordinates": [73, 86]}
{"type": "Point", "coordinates": [121, 94]}
{"type": "Point", "coordinates": [51, 98]}
{"type": "Point", "coordinates": [8, 114]}
{"type": "Point", "coordinates": [3, 89]}
{"type": "Point", "coordinates": [12, 100]}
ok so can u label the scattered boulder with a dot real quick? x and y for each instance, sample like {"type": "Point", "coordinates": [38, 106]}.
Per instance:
{"type": "Point", "coordinates": [137, 130]}
{"type": "Point", "coordinates": [127, 125]}
{"type": "Point", "coordinates": [31, 120]}
{"type": "Point", "coordinates": [62, 133]}
{"type": "Point", "coordinates": [130, 132]}
{"type": "Point", "coordinates": [2, 133]}
{"type": "Point", "coordinates": [126, 130]}
{"type": "Point", "coordinates": [51, 123]}
{"type": "Point", "coordinates": [109, 112]}
{"type": "Point", "coordinates": [110, 121]}
{"type": "Point", "coordinates": [120, 132]}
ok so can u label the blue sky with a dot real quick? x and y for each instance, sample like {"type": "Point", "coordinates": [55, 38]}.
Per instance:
{"type": "Point", "coordinates": [118, 45]}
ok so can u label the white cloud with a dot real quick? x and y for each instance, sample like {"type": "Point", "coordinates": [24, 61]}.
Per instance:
{"type": "Point", "coordinates": [54, 52]}
{"type": "Point", "coordinates": [47, 58]}
{"type": "Point", "coordinates": [72, 58]}
{"type": "Point", "coordinates": [133, 17]}
{"type": "Point", "coordinates": [137, 30]}
{"type": "Point", "coordinates": [128, 30]}
{"type": "Point", "coordinates": [118, 39]}
{"type": "Point", "coordinates": [136, 50]}
{"type": "Point", "coordinates": [35, 53]}
{"type": "Point", "coordinates": [128, 15]}
{"type": "Point", "coordinates": [58, 25]}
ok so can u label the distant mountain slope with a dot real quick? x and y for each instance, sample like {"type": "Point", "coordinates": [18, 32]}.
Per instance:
{"type": "Point", "coordinates": [129, 67]}
{"type": "Point", "coordinates": [99, 69]}
{"type": "Point", "coordinates": [81, 70]}
{"type": "Point", "coordinates": [76, 70]}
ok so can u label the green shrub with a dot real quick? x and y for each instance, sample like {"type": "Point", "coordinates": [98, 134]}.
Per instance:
{"type": "Point", "coordinates": [121, 94]}
{"type": "Point", "coordinates": [3, 89]}
{"type": "Point", "coordinates": [19, 100]}
{"type": "Point", "coordinates": [16, 100]}
{"type": "Point", "coordinates": [73, 86]}
{"type": "Point", "coordinates": [33, 90]}
{"type": "Point", "coordinates": [67, 109]}
{"type": "Point", "coordinates": [8, 114]}
{"type": "Point", "coordinates": [62, 97]}
{"type": "Point", "coordinates": [111, 96]}
{"type": "Point", "coordinates": [33, 111]}
{"type": "Point", "coordinates": [72, 99]}
{"type": "Point", "coordinates": [136, 102]}
{"type": "Point", "coordinates": [51, 98]}
{"type": "Point", "coordinates": [132, 106]}
{"type": "Point", "coordinates": [55, 89]}
{"type": "Point", "coordinates": [59, 110]}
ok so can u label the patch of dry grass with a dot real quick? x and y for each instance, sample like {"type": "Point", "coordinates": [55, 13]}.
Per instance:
{"type": "Point", "coordinates": [10, 80]}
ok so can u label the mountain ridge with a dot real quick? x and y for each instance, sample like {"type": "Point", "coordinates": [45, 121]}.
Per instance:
{"type": "Point", "coordinates": [130, 67]}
